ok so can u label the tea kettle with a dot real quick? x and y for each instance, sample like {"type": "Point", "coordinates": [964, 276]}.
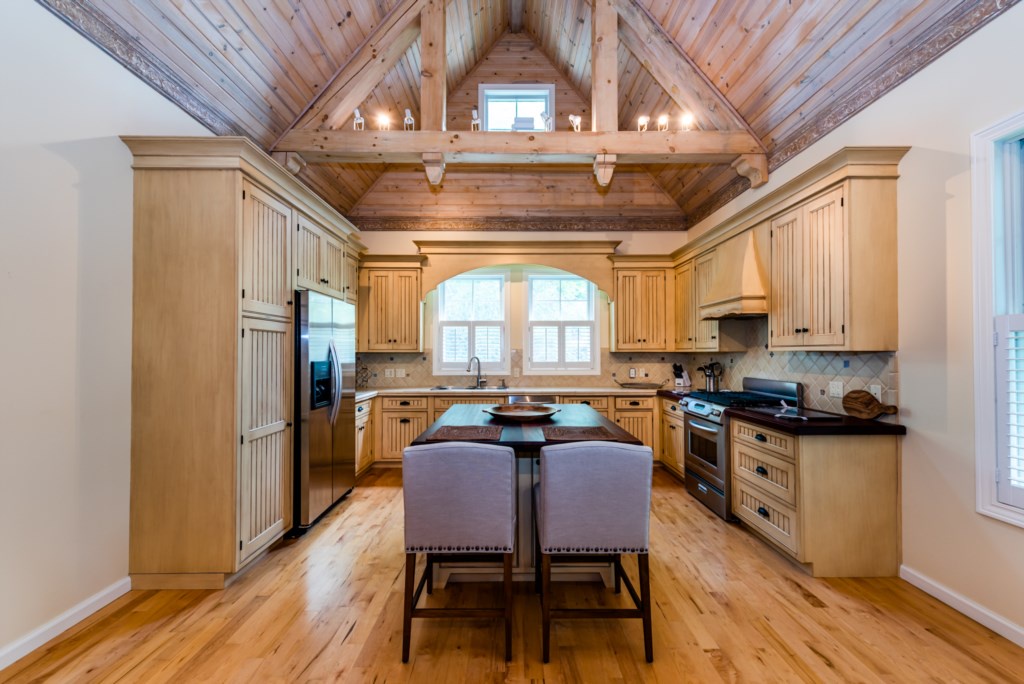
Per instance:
{"type": "Point", "coordinates": [712, 373]}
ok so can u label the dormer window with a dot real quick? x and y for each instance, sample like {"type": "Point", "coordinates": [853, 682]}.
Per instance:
{"type": "Point", "coordinates": [516, 107]}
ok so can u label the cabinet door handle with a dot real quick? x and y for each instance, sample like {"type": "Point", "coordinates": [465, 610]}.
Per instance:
{"type": "Point", "coordinates": [673, 407]}
{"type": "Point", "coordinates": [403, 420]}
{"type": "Point", "coordinates": [760, 438]}
{"type": "Point", "coordinates": [287, 424]}
{"type": "Point", "coordinates": [671, 427]}
{"type": "Point", "coordinates": [762, 511]}
{"type": "Point", "coordinates": [404, 403]}
{"type": "Point", "coordinates": [587, 403]}
{"type": "Point", "coordinates": [634, 403]}
{"type": "Point", "coordinates": [714, 337]}
{"type": "Point", "coordinates": [796, 331]}
{"type": "Point", "coordinates": [761, 470]}
{"type": "Point", "coordinates": [804, 330]}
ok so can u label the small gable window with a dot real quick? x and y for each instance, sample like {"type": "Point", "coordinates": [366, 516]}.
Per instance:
{"type": "Point", "coordinates": [517, 107]}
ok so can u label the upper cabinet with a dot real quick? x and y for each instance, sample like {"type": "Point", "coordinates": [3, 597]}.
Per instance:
{"type": "Point", "coordinates": [834, 270]}
{"type": "Point", "coordinates": [641, 309]}
{"type": "Point", "coordinates": [693, 280]}
{"type": "Point", "coordinates": [322, 262]}
{"type": "Point", "coordinates": [266, 251]}
{"type": "Point", "coordinates": [686, 321]}
{"type": "Point", "coordinates": [391, 308]}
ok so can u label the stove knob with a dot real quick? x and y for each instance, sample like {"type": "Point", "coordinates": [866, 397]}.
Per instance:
{"type": "Point", "coordinates": [716, 413]}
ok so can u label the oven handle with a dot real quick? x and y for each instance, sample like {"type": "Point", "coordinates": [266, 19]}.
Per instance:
{"type": "Point", "coordinates": [701, 427]}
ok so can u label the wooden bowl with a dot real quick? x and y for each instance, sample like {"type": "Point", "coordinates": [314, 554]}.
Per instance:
{"type": "Point", "coordinates": [522, 413]}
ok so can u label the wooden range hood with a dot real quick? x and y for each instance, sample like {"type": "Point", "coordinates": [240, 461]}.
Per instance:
{"type": "Point", "coordinates": [737, 287]}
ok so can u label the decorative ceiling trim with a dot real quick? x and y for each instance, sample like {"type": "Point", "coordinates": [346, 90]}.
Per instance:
{"type": "Point", "coordinates": [100, 31]}
{"type": "Point", "coordinates": [957, 25]}
{"type": "Point", "coordinates": [526, 224]}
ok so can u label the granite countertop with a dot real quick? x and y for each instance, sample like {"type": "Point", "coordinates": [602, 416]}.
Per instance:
{"type": "Point", "coordinates": [842, 425]}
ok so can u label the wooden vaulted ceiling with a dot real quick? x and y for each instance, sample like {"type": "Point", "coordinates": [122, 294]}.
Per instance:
{"type": "Point", "coordinates": [789, 72]}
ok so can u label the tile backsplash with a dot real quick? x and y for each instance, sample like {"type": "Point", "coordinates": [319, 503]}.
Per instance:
{"type": "Point", "coordinates": [814, 369]}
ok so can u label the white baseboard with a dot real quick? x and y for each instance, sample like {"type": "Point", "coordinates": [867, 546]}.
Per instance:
{"type": "Point", "coordinates": [977, 612]}
{"type": "Point", "coordinates": [19, 648]}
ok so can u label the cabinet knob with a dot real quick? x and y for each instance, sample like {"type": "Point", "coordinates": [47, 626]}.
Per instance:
{"type": "Point", "coordinates": [287, 424]}
{"type": "Point", "coordinates": [761, 470]}
{"type": "Point", "coordinates": [673, 407]}
{"type": "Point", "coordinates": [760, 437]}
{"type": "Point", "coordinates": [403, 403]}
{"type": "Point", "coordinates": [585, 402]}
{"type": "Point", "coordinates": [714, 337]}
{"type": "Point", "coordinates": [804, 330]}
{"type": "Point", "coordinates": [762, 511]}
{"type": "Point", "coordinates": [796, 331]}
{"type": "Point", "coordinates": [671, 427]}
{"type": "Point", "coordinates": [634, 403]}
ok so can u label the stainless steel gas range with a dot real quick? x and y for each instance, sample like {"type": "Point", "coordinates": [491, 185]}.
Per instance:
{"type": "Point", "coordinates": [706, 445]}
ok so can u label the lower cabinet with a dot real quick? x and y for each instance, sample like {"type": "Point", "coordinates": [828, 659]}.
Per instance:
{"type": "Point", "coordinates": [673, 444]}
{"type": "Point", "coordinates": [598, 403]}
{"type": "Point", "coordinates": [442, 404]}
{"type": "Point", "coordinates": [635, 415]}
{"type": "Point", "coordinates": [829, 501]}
{"type": "Point", "coordinates": [364, 438]}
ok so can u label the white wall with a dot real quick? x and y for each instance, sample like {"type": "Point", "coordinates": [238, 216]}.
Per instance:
{"type": "Point", "coordinates": [966, 558]}
{"type": "Point", "coordinates": [65, 307]}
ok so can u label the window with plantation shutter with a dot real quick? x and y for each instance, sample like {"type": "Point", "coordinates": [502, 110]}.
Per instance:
{"type": "Point", "coordinates": [471, 321]}
{"type": "Point", "coordinates": [997, 173]}
{"type": "Point", "coordinates": [1009, 346]}
{"type": "Point", "coordinates": [561, 325]}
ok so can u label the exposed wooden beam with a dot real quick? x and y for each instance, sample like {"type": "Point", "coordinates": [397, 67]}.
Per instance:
{"type": "Point", "coordinates": [372, 60]}
{"type": "Point", "coordinates": [516, 9]}
{"type": "Point", "coordinates": [566, 147]}
{"type": "Point", "coordinates": [433, 68]}
{"type": "Point", "coordinates": [675, 72]}
{"type": "Point", "coordinates": [604, 67]}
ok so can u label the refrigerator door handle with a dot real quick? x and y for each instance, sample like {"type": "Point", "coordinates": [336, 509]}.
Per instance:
{"type": "Point", "coordinates": [335, 381]}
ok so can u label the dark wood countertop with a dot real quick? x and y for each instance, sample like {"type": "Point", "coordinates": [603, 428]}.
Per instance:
{"type": "Point", "coordinates": [842, 425]}
{"type": "Point", "coordinates": [526, 437]}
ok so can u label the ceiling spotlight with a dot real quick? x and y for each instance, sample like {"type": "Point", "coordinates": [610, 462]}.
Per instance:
{"type": "Point", "coordinates": [410, 123]}
{"type": "Point", "coordinates": [641, 123]}
{"type": "Point", "coordinates": [687, 120]}
{"type": "Point", "coordinates": [359, 122]}
{"type": "Point", "coordinates": [475, 123]}
{"type": "Point", "coordinates": [575, 120]}
{"type": "Point", "coordinates": [663, 122]}
{"type": "Point", "coordinates": [383, 122]}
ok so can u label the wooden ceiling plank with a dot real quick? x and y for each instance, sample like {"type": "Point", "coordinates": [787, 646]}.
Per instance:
{"type": "Point", "coordinates": [313, 29]}
{"type": "Point", "coordinates": [433, 72]}
{"type": "Point", "coordinates": [515, 15]}
{"type": "Point", "coordinates": [279, 19]}
{"type": "Point", "coordinates": [604, 50]}
{"type": "Point", "coordinates": [757, 40]}
{"type": "Point", "coordinates": [739, 29]}
{"type": "Point", "coordinates": [483, 147]}
{"type": "Point", "coordinates": [167, 41]}
{"type": "Point", "coordinates": [355, 80]}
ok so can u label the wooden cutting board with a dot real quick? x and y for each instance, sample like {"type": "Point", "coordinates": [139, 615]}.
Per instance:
{"type": "Point", "coordinates": [862, 404]}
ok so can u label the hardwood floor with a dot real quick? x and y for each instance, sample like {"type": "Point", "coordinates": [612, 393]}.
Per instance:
{"type": "Point", "coordinates": [327, 607]}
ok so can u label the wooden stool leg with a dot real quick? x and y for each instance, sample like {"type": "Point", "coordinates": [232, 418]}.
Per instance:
{"type": "Point", "coordinates": [618, 573]}
{"type": "Point", "coordinates": [508, 606]}
{"type": "Point", "coordinates": [430, 573]}
{"type": "Point", "coordinates": [545, 605]}
{"type": "Point", "coordinates": [645, 598]}
{"type": "Point", "coordinates": [410, 581]}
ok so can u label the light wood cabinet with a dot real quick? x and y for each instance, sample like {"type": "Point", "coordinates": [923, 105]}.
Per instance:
{"type": "Point", "coordinates": [351, 277]}
{"type": "Point", "coordinates": [830, 502]}
{"type": "Point", "coordinates": [672, 440]}
{"type": "Point", "coordinates": [393, 309]}
{"type": "Point", "coordinates": [686, 309]}
{"type": "Point", "coordinates": [833, 270]}
{"type": "Point", "coordinates": [398, 429]}
{"type": "Point", "coordinates": [212, 357]}
{"type": "Point", "coordinates": [640, 310]}
{"type": "Point", "coordinates": [442, 404]}
{"type": "Point", "coordinates": [364, 436]}
{"type": "Point", "coordinates": [320, 259]}
{"type": "Point", "coordinates": [600, 404]}
{"type": "Point", "coordinates": [636, 416]}
{"type": "Point", "coordinates": [266, 253]}
{"type": "Point", "coordinates": [692, 281]}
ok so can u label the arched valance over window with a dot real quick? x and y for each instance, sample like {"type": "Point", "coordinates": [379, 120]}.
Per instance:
{"type": "Point", "coordinates": [447, 258]}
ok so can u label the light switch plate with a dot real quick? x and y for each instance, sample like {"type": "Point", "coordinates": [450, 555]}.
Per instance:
{"type": "Point", "coordinates": [389, 372]}
{"type": "Point", "coordinates": [876, 391]}
{"type": "Point", "coordinates": [835, 389]}
{"type": "Point", "coordinates": [399, 372]}
{"type": "Point", "coordinates": [632, 372]}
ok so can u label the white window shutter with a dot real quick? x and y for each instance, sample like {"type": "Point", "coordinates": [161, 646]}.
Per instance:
{"type": "Point", "coordinates": [1009, 368]}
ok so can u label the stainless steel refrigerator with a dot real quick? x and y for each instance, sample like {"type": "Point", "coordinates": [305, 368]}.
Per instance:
{"type": "Point", "coordinates": [325, 449]}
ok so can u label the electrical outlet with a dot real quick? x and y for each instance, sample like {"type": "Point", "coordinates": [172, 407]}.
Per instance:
{"type": "Point", "coordinates": [643, 373]}
{"type": "Point", "coordinates": [515, 372]}
{"type": "Point", "coordinates": [876, 391]}
{"type": "Point", "coordinates": [632, 372]}
{"type": "Point", "coordinates": [835, 389]}
{"type": "Point", "coordinates": [399, 372]}
{"type": "Point", "coordinates": [389, 372]}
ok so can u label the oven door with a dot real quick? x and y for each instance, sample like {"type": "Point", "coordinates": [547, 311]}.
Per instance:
{"type": "Point", "coordinates": [705, 449]}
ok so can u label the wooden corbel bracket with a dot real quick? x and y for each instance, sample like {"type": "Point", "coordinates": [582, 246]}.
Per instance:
{"type": "Point", "coordinates": [433, 164]}
{"type": "Point", "coordinates": [604, 167]}
{"type": "Point", "coordinates": [754, 167]}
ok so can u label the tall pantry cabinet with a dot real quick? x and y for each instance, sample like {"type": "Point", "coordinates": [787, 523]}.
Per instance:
{"type": "Point", "coordinates": [212, 355]}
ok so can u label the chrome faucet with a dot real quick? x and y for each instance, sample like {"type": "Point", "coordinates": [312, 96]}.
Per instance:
{"type": "Point", "coordinates": [469, 369]}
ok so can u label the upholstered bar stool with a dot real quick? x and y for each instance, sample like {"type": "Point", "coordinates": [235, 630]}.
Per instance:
{"type": "Point", "coordinates": [459, 500]}
{"type": "Point", "coordinates": [593, 503]}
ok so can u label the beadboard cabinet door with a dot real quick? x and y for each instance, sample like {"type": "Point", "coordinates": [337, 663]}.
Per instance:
{"type": "Point", "coordinates": [265, 454]}
{"type": "Point", "coordinates": [393, 310]}
{"type": "Point", "coordinates": [266, 253]}
{"type": "Point", "coordinates": [640, 310]}
{"type": "Point", "coordinates": [705, 332]}
{"type": "Point", "coordinates": [685, 308]}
